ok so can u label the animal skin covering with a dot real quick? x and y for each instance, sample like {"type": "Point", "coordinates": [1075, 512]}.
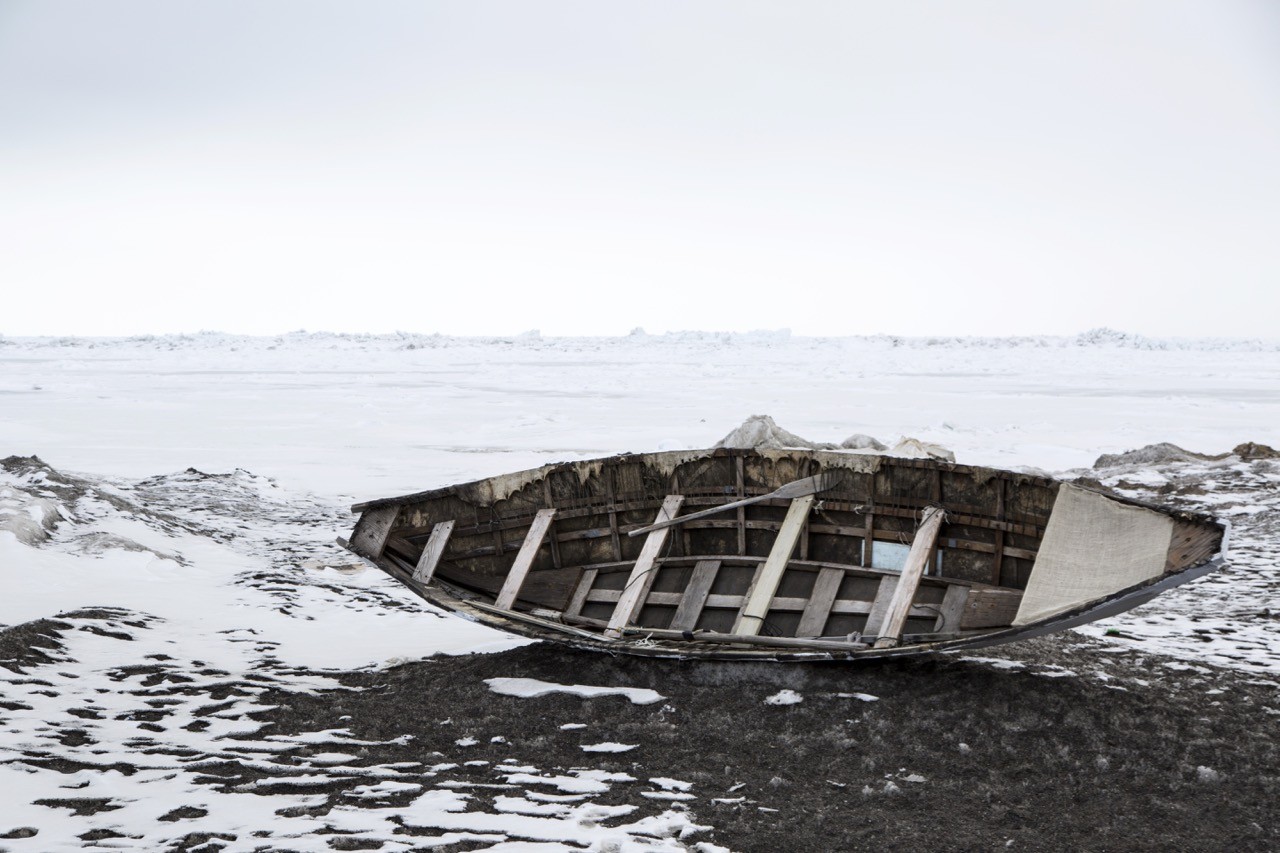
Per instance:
{"type": "Point", "coordinates": [1072, 568]}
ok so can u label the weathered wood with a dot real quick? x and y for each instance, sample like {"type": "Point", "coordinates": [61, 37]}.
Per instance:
{"type": "Point", "coordinates": [579, 598]}
{"type": "Point", "coordinates": [868, 539]}
{"type": "Point", "coordinates": [807, 487]}
{"type": "Point", "coordinates": [524, 560]}
{"type": "Point", "coordinates": [880, 606]}
{"type": "Point", "coordinates": [990, 608]}
{"type": "Point", "coordinates": [371, 531]}
{"type": "Point", "coordinates": [951, 612]}
{"type": "Point", "coordinates": [695, 595]}
{"type": "Point", "coordinates": [642, 576]}
{"type": "Point", "coordinates": [551, 536]}
{"type": "Point", "coordinates": [895, 618]}
{"type": "Point", "coordinates": [818, 608]}
{"type": "Point", "coordinates": [433, 551]}
{"type": "Point", "coordinates": [769, 575]}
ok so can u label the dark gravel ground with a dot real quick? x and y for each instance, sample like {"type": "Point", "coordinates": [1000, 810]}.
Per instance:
{"type": "Point", "coordinates": [1126, 754]}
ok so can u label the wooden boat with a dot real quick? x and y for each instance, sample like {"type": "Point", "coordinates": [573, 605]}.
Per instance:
{"type": "Point", "coordinates": [781, 554]}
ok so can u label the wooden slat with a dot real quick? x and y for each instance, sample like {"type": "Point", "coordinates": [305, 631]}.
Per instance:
{"type": "Point", "coordinates": [695, 595]}
{"type": "Point", "coordinates": [372, 530]}
{"type": "Point", "coordinates": [818, 608]}
{"type": "Point", "coordinates": [580, 593]}
{"type": "Point", "coordinates": [895, 619]}
{"type": "Point", "coordinates": [524, 560]}
{"type": "Point", "coordinates": [769, 575]}
{"type": "Point", "coordinates": [433, 551]}
{"type": "Point", "coordinates": [952, 610]}
{"type": "Point", "coordinates": [879, 607]}
{"type": "Point", "coordinates": [613, 514]}
{"type": "Point", "coordinates": [642, 575]}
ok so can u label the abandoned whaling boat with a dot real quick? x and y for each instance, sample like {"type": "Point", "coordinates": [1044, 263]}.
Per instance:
{"type": "Point", "coordinates": [781, 554]}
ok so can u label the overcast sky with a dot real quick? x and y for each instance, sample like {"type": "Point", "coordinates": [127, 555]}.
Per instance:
{"type": "Point", "coordinates": [589, 167]}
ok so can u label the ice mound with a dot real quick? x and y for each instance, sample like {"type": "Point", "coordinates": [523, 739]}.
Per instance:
{"type": "Point", "coordinates": [761, 432]}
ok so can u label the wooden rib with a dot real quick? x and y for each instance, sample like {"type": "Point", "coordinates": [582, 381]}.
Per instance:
{"type": "Point", "coordinates": [695, 595]}
{"type": "Point", "coordinates": [579, 598]}
{"type": "Point", "coordinates": [433, 551]}
{"type": "Point", "coordinates": [644, 572]}
{"type": "Point", "coordinates": [895, 618]}
{"type": "Point", "coordinates": [818, 608]}
{"type": "Point", "coordinates": [998, 549]}
{"type": "Point", "coordinates": [555, 543]}
{"type": "Point", "coordinates": [868, 539]}
{"type": "Point", "coordinates": [372, 530]}
{"type": "Point", "coordinates": [613, 515]}
{"type": "Point", "coordinates": [769, 575]}
{"type": "Point", "coordinates": [524, 560]}
{"type": "Point", "coordinates": [739, 477]}
{"type": "Point", "coordinates": [951, 612]}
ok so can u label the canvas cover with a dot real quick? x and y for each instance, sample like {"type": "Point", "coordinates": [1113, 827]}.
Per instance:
{"type": "Point", "coordinates": [1093, 547]}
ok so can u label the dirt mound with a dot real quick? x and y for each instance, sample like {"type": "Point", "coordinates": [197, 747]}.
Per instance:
{"type": "Point", "coordinates": [1163, 453]}
{"type": "Point", "coordinates": [1249, 451]}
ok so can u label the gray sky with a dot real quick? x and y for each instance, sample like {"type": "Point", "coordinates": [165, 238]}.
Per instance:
{"type": "Point", "coordinates": [588, 167]}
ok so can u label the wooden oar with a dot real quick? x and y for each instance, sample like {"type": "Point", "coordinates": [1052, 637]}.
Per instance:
{"type": "Point", "coordinates": [796, 489]}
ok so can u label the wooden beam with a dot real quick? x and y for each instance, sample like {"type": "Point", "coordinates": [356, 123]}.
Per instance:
{"type": "Point", "coordinates": [695, 595]}
{"type": "Point", "coordinates": [895, 618]}
{"type": "Point", "coordinates": [524, 560]}
{"type": "Point", "coordinates": [769, 575]}
{"type": "Point", "coordinates": [818, 608]}
{"type": "Point", "coordinates": [644, 571]}
{"type": "Point", "coordinates": [433, 551]}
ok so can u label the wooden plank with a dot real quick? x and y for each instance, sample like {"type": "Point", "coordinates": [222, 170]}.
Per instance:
{"type": "Point", "coordinates": [769, 575]}
{"type": "Point", "coordinates": [524, 560]}
{"type": "Point", "coordinates": [895, 619]}
{"type": "Point", "coordinates": [694, 595]}
{"type": "Point", "coordinates": [372, 530]}
{"type": "Point", "coordinates": [580, 592]}
{"type": "Point", "coordinates": [818, 608]}
{"type": "Point", "coordinates": [644, 572]}
{"type": "Point", "coordinates": [433, 551]}
{"type": "Point", "coordinates": [879, 607]}
{"type": "Point", "coordinates": [952, 611]}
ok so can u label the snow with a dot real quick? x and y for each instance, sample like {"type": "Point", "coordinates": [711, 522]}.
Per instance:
{"type": "Point", "coordinates": [531, 687]}
{"type": "Point", "coordinates": [229, 582]}
{"type": "Point", "coordinates": [784, 697]}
